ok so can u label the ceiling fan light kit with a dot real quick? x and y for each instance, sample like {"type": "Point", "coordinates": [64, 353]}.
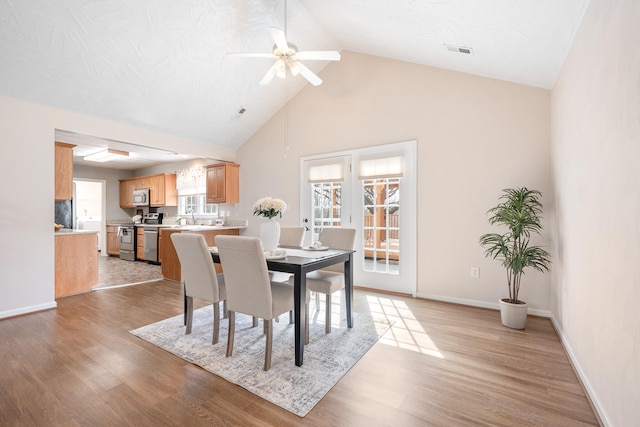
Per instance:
{"type": "Point", "coordinates": [288, 56]}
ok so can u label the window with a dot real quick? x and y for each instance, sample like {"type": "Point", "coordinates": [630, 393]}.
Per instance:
{"type": "Point", "coordinates": [197, 204]}
{"type": "Point", "coordinates": [191, 184]}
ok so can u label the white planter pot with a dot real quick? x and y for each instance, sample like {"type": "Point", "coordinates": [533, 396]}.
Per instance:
{"type": "Point", "coordinates": [513, 316]}
{"type": "Point", "coordinates": [270, 234]}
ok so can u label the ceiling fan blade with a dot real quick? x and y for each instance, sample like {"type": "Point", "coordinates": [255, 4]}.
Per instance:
{"type": "Point", "coordinates": [279, 38]}
{"type": "Point", "coordinates": [269, 76]}
{"type": "Point", "coordinates": [309, 75]}
{"type": "Point", "coordinates": [319, 55]}
{"type": "Point", "coordinates": [251, 54]}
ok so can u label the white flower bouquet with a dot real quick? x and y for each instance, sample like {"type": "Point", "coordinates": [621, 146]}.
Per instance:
{"type": "Point", "coordinates": [269, 207]}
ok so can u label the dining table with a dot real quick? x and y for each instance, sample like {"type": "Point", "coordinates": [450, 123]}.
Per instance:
{"type": "Point", "coordinates": [299, 262]}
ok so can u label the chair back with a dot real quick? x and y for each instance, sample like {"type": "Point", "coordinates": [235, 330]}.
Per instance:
{"type": "Point", "coordinates": [198, 270]}
{"type": "Point", "coordinates": [246, 276]}
{"type": "Point", "coordinates": [291, 236]}
{"type": "Point", "coordinates": [338, 238]}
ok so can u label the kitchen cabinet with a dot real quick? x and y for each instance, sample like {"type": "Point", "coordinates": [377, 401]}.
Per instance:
{"type": "Point", "coordinates": [126, 193]}
{"type": "Point", "coordinates": [140, 243]}
{"type": "Point", "coordinates": [223, 183]}
{"type": "Point", "coordinates": [113, 240]}
{"type": "Point", "coordinates": [170, 262]}
{"type": "Point", "coordinates": [162, 190]}
{"type": "Point", "coordinates": [63, 171]}
{"type": "Point", "coordinates": [76, 263]}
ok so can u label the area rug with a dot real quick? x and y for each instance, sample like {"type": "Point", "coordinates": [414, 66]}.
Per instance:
{"type": "Point", "coordinates": [327, 357]}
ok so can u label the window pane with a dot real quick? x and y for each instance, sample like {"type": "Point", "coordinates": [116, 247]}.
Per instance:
{"type": "Point", "coordinates": [381, 226]}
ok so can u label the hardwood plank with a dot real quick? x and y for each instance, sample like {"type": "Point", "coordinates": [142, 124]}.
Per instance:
{"type": "Point", "coordinates": [439, 364]}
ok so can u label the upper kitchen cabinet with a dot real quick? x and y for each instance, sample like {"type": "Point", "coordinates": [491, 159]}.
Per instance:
{"type": "Point", "coordinates": [64, 171]}
{"type": "Point", "coordinates": [162, 190]}
{"type": "Point", "coordinates": [223, 183]}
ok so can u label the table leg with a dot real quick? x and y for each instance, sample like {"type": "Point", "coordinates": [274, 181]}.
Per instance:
{"type": "Point", "coordinates": [348, 289]}
{"type": "Point", "coordinates": [300, 314]}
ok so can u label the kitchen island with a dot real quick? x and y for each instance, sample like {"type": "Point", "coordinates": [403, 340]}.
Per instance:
{"type": "Point", "coordinates": [76, 261]}
{"type": "Point", "coordinates": [169, 258]}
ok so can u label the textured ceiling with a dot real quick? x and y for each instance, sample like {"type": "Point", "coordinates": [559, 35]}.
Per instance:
{"type": "Point", "coordinates": [161, 65]}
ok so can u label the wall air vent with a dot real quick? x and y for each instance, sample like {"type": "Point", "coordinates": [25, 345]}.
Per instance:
{"type": "Point", "coordinates": [459, 49]}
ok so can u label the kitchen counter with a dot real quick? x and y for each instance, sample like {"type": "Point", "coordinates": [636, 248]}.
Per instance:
{"type": "Point", "coordinates": [72, 232]}
{"type": "Point", "coordinates": [193, 227]}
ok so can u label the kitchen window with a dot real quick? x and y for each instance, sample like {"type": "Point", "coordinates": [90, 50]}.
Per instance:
{"type": "Point", "coordinates": [196, 203]}
{"type": "Point", "coordinates": [191, 184]}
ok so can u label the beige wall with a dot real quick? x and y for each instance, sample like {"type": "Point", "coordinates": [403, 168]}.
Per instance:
{"type": "Point", "coordinates": [596, 150]}
{"type": "Point", "coordinates": [475, 137]}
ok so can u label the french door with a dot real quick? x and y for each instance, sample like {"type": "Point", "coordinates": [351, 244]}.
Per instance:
{"type": "Point", "coordinates": [363, 189]}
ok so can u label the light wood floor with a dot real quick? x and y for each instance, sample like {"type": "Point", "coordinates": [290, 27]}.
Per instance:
{"type": "Point", "coordinates": [440, 364]}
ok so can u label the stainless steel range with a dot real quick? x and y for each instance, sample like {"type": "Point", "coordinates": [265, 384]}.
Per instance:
{"type": "Point", "coordinates": [127, 233]}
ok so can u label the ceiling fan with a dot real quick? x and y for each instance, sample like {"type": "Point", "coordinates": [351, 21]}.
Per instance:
{"type": "Point", "coordinates": [287, 55]}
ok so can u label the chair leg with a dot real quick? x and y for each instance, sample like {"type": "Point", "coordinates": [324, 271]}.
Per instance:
{"type": "Point", "coordinates": [232, 331]}
{"type": "Point", "coordinates": [291, 315]}
{"type": "Point", "coordinates": [225, 309]}
{"type": "Point", "coordinates": [317, 301]}
{"type": "Point", "coordinates": [216, 322]}
{"type": "Point", "coordinates": [189, 313]}
{"type": "Point", "coordinates": [267, 354]}
{"type": "Point", "coordinates": [327, 315]}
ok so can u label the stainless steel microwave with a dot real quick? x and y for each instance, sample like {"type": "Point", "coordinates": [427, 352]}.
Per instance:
{"type": "Point", "coordinates": [141, 197]}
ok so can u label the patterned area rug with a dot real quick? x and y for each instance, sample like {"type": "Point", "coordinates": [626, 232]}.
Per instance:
{"type": "Point", "coordinates": [327, 357]}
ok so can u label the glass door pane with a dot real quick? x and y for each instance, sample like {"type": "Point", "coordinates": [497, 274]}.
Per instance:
{"type": "Point", "coordinates": [327, 206]}
{"type": "Point", "coordinates": [381, 226]}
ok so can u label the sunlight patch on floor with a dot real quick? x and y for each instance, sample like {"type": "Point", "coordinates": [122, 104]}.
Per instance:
{"type": "Point", "coordinates": [406, 332]}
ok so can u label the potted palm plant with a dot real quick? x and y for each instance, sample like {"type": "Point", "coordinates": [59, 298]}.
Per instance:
{"type": "Point", "coordinates": [520, 211]}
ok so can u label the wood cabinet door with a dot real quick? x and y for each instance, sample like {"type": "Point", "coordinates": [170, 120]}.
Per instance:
{"type": "Point", "coordinates": [126, 193]}
{"type": "Point", "coordinates": [140, 243]}
{"type": "Point", "coordinates": [113, 240]}
{"type": "Point", "coordinates": [215, 184]}
{"type": "Point", "coordinates": [223, 183]}
{"type": "Point", "coordinates": [63, 171]}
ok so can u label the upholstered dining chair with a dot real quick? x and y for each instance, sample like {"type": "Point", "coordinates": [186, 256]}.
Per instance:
{"type": "Point", "coordinates": [291, 236]}
{"type": "Point", "coordinates": [330, 279]}
{"type": "Point", "coordinates": [249, 289]}
{"type": "Point", "coordinates": [199, 277]}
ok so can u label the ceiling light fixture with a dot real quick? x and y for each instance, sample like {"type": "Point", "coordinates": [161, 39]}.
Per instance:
{"type": "Point", "coordinates": [106, 155]}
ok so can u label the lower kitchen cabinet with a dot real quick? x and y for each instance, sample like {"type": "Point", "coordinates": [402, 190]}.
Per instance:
{"type": "Point", "coordinates": [113, 240]}
{"type": "Point", "coordinates": [170, 262]}
{"type": "Point", "coordinates": [140, 243]}
{"type": "Point", "coordinates": [76, 263]}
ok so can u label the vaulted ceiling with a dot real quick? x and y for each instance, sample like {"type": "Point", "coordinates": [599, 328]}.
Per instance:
{"type": "Point", "coordinates": [162, 64]}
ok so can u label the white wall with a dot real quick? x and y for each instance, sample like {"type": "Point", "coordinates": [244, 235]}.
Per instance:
{"type": "Point", "coordinates": [475, 137]}
{"type": "Point", "coordinates": [27, 198]}
{"type": "Point", "coordinates": [26, 208]}
{"type": "Point", "coordinates": [596, 150]}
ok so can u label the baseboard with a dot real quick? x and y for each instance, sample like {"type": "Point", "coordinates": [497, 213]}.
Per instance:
{"type": "Point", "coordinates": [483, 304]}
{"type": "Point", "coordinates": [597, 407]}
{"type": "Point", "coordinates": [27, 310]}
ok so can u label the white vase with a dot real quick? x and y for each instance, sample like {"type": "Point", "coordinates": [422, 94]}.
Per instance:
{"type": "Point", "coordinates": [513, 316]}
{"type": "Point", "coordinates": [270, 234]}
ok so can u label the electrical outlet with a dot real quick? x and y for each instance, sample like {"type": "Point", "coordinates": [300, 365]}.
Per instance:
{"type": "Point", "coordinates": [475, 271]}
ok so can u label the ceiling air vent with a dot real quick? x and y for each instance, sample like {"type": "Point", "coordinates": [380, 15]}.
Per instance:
{"type": "Point", "coordinates": [240, 112]}
{"type": "Point", "coordinates": [459, 49]}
